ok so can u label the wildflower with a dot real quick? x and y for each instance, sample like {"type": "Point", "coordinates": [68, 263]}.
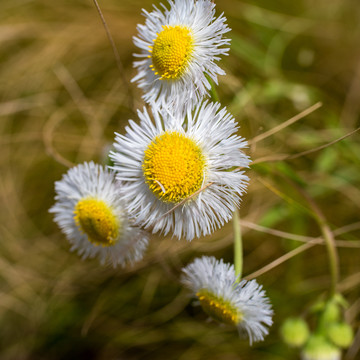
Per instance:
{"type": "Point", "coordinates": [91, 213]}
{"type": "Point", "coordinates": [242, 304]}
{"type": "Point", "coordinates": [179, 47]}
{"type": "Point", "coordinates": [182, 172]}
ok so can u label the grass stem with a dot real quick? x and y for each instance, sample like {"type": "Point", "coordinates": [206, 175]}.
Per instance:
{"type": "Point", "coordinates": [238, 250]}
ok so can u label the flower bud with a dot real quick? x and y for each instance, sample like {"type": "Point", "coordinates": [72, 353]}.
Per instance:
{"type": "Point", "coordinates": [319, 348]}
{"type": "Point", "coordinates": [332, 312]}
{"type": "Point", "coordinates": [340, 334]}
{"type": "Point", "coordinates": [294, 331]}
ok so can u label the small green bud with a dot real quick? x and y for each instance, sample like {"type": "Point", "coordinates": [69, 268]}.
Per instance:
{"type": "Point", "coordinates": [333, 306]}
{"type": "Point", "coordinates": [340, 334]}
{"type": "Point", "coordinates": [318, 348]}
{"type": "Point", "coordinates": [332, 313]}
{"type": "Point", "coordinates": [318, 306]}
{"type": "Point", "coordinates": [340, 300]}
{"type": "Point", "coordinates": [294, 331]}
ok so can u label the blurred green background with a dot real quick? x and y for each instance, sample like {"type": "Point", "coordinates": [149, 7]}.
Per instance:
{"type": "Point", "coordinates": [61, 99]}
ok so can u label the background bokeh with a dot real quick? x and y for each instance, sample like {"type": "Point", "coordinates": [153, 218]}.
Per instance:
{"type": "Point", "coordinates": [62, 97]}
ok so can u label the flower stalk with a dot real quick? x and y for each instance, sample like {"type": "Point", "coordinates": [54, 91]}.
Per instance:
{"type": "Point", "coordinates": [238, 250]}
{"type": "Point", "coordinates": [332, 253]}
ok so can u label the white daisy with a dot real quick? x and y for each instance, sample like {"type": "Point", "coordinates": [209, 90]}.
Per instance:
{"type": "Point", "coordinates": [243, 304]}
{"type": "Point", "coordinates": [179, 48]}
{"type": "Point", "coordinates": [182, 172]}
{"type": "Point", "coordinates": [91, 213]}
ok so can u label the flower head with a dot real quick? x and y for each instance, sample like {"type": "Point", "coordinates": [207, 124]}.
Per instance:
{"type": "Point", "coordinates": [179, 47]}
{"type": "Point", "coordinates": [242, 304]}
{"type": "Point", "coordinates": [182, 172]}
{"type": "Point", "coordinates": [91, 213]}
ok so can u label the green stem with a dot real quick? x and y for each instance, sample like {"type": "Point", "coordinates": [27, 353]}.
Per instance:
{"type": "Point", "coordinates": [238, 251]}
{"type": "Point", "coordinates": [332, 254]}
{"type": "Point", "coordinates": [328, 238]}
{"type": "Point", "coordinates": [213, 93]}
{"type": "Point", "coordinates": [329, 243]}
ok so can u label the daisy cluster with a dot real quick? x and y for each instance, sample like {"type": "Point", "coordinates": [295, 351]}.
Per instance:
{"type": "Point", "coordinates": [178, 170]}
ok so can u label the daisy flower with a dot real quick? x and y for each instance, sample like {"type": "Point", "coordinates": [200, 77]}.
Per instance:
{"type": "Point", "coordinates": [179, 47]}
{"type": "Point", "coordinates": [91, 213]}
{"type": "Point", "coordinates": [182, 172]}
{"type": "Point", "coordinates": [242, 304]}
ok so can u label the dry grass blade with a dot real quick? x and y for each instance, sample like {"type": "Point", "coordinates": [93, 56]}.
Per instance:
{"type": "Point", "coordinates": [48, 131]}
{"type": "Point", "coordinates": [281, 260]}
{"type": "Point", "coordinates": [275, 232]}
{"type": "Point", "coordinates": [307, 152]}
{"type": "Point", "coordinates": [287, 198]}
{"type": "Point", "coordinates": [285, 124]}
{"type": "Point", "coordinates": [301, 238]}
{"type": "Point", "coordinates": [116, 54]}
{"type": "Point", "coordinates": [86, 109]}
{"type": "Point", "coordinates": [323, 146]}
{"type": "Point", "coordinates": [75, 91]}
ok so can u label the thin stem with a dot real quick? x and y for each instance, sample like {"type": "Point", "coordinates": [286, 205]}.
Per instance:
{"type": "Point", "coordinates": [238, 251]}
{"type": "Point", "coordinates": [328, 238]}
{"type": "Point", "coordinates": [116, 54]}
{"type": "Point", "coordinates": [329, 243]}
{"type": "Point", "coordinates": [213, 93]}
{"type": "Point", "coordinates": [332, 255]}
{"type": "Point", "coordinates": [282, 157]}
{"type": "Point", "coordinates": [286, 123]}
{"type": "Point", "coordinates": [281, 259]}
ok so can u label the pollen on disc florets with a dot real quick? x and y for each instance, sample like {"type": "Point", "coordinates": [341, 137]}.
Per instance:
{"type": "Point", "coordinates": [173, 166]}
{"type": "Point", "coordinates": [171, 51]}
{"type": "Point", "coordinates": [97, 220]}
{"type": "Point", "coordinates": [218, 308]}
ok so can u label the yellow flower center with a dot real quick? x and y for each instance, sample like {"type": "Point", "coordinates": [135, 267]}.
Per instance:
{"type": "Point", "coordinates": [173, 166]}
{"type": "Point", "coordinates": [218, 308]}
{"type": "Point", "coordinates": [97, 220]}
{"type": "Point", "coordinates": [171, 51]}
